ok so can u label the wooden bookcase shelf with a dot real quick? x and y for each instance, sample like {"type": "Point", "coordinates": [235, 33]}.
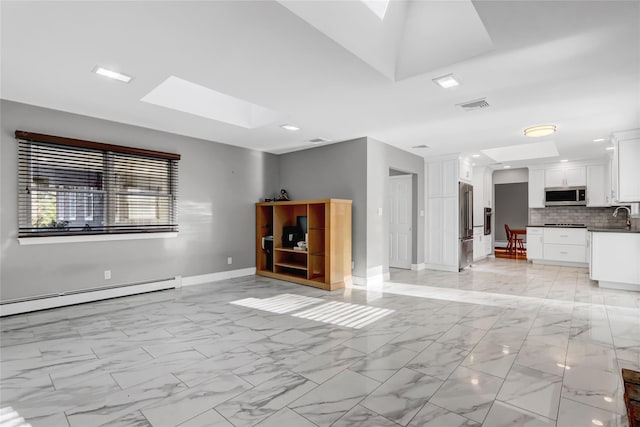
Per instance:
{"type": "Point", "coordinates": [326, 263]}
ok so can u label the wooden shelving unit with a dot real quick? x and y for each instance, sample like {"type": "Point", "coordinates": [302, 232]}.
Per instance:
{"type": "Point", "coordinates": [326, 263]}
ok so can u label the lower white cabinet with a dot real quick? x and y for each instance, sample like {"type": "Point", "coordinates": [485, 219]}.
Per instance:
{"type": "Point", "coordinates": [481, 244]}
{"type": "Point", "coordinates": [535, 236]}
{"type": "Point", "coordinates": [614, 260]}
{"type": "Point", "coordinates": [557, 245]}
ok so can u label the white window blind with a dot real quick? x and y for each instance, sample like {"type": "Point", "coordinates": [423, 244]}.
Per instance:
{"type": "Point", "coordinates": [71, 187]}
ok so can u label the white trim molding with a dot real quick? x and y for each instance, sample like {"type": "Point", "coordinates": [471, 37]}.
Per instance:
{"type": "Point", "coordinates": [214, 277]}
{"type": "Point", "coordinates": [46, 240]}
{"type": "Point", "coordinates": [418, 267]}
{"type": "Point", "coordinates": [86, 295]}
{"type": "Point", "coordinates": [375, 277]}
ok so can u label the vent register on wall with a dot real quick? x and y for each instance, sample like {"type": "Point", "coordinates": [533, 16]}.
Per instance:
{"type": "Point", "coordinates": [322, 258]}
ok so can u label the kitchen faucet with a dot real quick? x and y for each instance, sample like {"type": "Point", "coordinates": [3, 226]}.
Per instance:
{"type": "Point", "coordinates": [615, 214]}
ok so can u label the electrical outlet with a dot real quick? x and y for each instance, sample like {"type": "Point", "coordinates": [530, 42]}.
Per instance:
{"type": "Point", "coordinates": [107, 274]}
{"type": "Point", "coordinates": [229, 260]}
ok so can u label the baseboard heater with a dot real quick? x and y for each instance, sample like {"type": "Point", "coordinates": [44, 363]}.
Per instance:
{"type": "Point", "coordinates": [43, 302]}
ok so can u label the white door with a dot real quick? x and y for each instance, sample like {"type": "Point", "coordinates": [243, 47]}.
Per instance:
{"type": "Point", "coordinates": [400, 221]}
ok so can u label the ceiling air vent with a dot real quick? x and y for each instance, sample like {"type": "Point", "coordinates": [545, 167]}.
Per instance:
{"type": "Point", "coordinates": [421, 146]}
{"type": "Point", "coordinates": [319, 140]}
{"type": "Point", "coordinates": [473, 105]}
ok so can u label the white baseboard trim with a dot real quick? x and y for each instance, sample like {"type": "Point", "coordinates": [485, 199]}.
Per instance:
{"type": "Point", "coordinates": [453, 269]}
{"type": "Point", "coordinates": [375, 277]}
{"type": "Point", "coordinates": [418, 267]}
{"type": "Point", "coordinates": [214, 277]}
{"type": "Point", "coordinates": [617, 285]}
{"type": "Point", "coordinates": [560, 263]}
{"type": "Point", "coordinates": [72, 298]}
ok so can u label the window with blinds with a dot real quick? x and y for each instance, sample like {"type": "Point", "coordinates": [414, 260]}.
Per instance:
{"type": "Point", "coordinates": [70, 187]}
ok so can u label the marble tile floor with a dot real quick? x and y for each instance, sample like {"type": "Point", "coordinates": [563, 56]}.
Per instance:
{"type": "Point", "coordinates": [504, 343]}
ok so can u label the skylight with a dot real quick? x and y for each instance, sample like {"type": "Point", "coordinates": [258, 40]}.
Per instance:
{"type": "Point", "coordinates": [182, 95]}
{"type": "Point", "coordinates": [536, 150]}
{"type": "Point", "coordinates": [379, 7]}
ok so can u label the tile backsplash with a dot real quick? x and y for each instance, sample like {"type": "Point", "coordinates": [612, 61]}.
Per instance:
{"type": "Point", "coordinates": [591, 217]}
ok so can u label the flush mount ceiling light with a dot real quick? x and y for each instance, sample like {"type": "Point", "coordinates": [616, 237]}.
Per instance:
{"type": "Point", "coordinates": [291, 128]}
{"type": "Point", "coordinates": [112, 74]}
{"type": "Point", "coordinates": [446, 82]}
{"type": "Point", "coordinates": [539, 131]}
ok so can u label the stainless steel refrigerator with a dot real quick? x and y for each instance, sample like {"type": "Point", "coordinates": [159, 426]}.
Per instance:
{"type": "Point", "coordinates": [465, 234]}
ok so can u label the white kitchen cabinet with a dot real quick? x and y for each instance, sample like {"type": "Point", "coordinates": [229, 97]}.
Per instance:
{"type": "Point", "coordinates": [557, 245]}
{"type": "Point", "coordinates": [442, 178]}
{"type": "Point", "coordinates": [442, 214]}
{"type": "Point", "coordinates": [614, 260]}
{"type": "Point", "coordinates": [573, 176]}
{"type": "Point", "coordinates": [535, 243]}
{"type": "Point", "coordinates": [466, 170]}
{"type": "Point", "coordinates": [628, 152]}
{"type": "Point", "coordinates": [536, 188]}
{"type": "Point", "coordinates": [598, 186]}
{"type": "Point", "coordinates": [565, 236]}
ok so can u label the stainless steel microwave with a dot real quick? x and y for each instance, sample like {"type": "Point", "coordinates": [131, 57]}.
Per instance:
{"type": "Point", "coordinates": [565, 196]}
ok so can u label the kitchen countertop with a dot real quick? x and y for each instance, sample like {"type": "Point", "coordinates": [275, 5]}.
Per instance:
{"type": "Point", "coordinates": [613, 230]}
{"type": "Point", "coordinates": [558, 226]}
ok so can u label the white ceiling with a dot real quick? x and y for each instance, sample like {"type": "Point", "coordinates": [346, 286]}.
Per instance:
{"type": "Point", "coordinates": [337, 71]}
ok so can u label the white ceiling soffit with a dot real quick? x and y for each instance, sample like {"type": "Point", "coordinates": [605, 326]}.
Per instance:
{"type": "Point", "coordinates": [353, 26]}
{"type": "Point", "coordinates": [413, 38]}
{"type": "Point", "coordinates": [536, 150]}
{"type": "Point", "coordinates": [440, 33]}
{"type": "Point", "coordinates": [182, 95]}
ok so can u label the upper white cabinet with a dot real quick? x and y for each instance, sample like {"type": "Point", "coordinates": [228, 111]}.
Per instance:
{"type": "Point", "coordinates": [565, 177]}
{"type": "Point", "coordinates": [536, 188]}
{"type": "Point", "coordinates": [627, 160]}
{"type": "Point", "coordinates": [482, 192]}
{"type": "Point", "coordinates": [466, 170]}
{"type": "Point", "coordinates": [442, 178]}
{"type": "Point", "coordinates": [598, 185]}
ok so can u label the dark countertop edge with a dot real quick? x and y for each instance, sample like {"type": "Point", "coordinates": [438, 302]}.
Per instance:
{"type": "Point", "coordinates": [612, 230]}
{"type": "Point", "coordinates": [556, 226]}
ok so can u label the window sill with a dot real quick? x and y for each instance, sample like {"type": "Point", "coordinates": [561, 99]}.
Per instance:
{"type": "Point", "coordinates": [45, 240]}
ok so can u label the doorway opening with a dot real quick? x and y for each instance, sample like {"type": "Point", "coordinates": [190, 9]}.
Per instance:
{"type": "Point", "coordinates": [511, 218]}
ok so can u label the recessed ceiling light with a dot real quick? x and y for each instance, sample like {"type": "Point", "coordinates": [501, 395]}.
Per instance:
{"type": "Point", "coordinates": [540, 130]}
{"type": "Point", "coordinates": [475, 156]}
{"type": "Point", "coordinates": [446, 82]}
{"type": "Point", "coordinates": [610, 148]}
{"type": "Point", "coordinates": [291, 128]}
{"type": "Point", "coordinates": [564, 160]}
{"type": "Point", "coordinates": [506, 166]}
{"type": "Point", "coordinates": [599, 140]}
{"type": "Point", "coordinates": [112, 74]}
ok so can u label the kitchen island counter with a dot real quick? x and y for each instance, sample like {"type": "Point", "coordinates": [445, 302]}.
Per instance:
{"type": "Point", "coordinates": [614, 258]}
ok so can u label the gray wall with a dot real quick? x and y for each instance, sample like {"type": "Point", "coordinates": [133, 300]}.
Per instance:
{"type": "Point", "coordinates": [218, 187]}
{"type": "Point", "coordinates": [336, 171]}
{"type": "Point", "coordinates": [512, 207]}
{"type": "Point", "coordinates": [381, 158]}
